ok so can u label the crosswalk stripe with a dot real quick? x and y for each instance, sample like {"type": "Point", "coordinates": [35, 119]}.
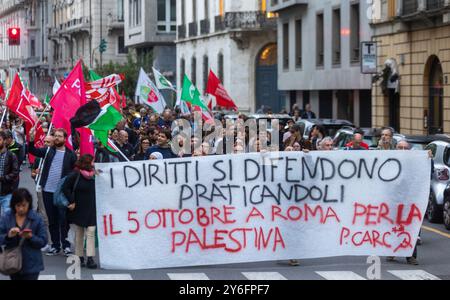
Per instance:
{"type": "Point", "coordinates": [263, 276]}
{"type": "Point", "coordinates": [47, 277]}
{"type": "Point", "coordinates": [187, 276]}
{"type": "Point", "coordinates": [340, 275]}
{"type": "Point", "coordinates": [112, 277]}
{"type": "Point", "coordinates": [413, 275]}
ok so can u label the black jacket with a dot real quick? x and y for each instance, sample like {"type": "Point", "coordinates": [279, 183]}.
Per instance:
{"type": "Point", "coordinates": [10, 175]}
{"type": "Point", "coordinates": [70, 159]}
{"type": "Point", "coordinates": [17, 149]}
{"type": "Point", "coordinates": [84, 214]}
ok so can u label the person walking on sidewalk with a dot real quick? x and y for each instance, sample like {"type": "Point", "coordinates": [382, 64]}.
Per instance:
{"type": "Point", "coordinates": [59, 162]}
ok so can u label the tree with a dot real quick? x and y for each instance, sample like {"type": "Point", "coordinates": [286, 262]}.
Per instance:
{"type": "Point", "coordinates": [130, 69]}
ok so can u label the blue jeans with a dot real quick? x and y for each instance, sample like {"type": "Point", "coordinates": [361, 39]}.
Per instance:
{"type": "Point", "coordinates": [5, 203]}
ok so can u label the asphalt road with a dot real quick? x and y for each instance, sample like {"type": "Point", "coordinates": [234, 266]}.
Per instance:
{"type": "Point", "coordinates": [433, 256]}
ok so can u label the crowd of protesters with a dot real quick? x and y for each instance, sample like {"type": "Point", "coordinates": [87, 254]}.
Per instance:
{"type": "Point", "coordinates": [141, 135]}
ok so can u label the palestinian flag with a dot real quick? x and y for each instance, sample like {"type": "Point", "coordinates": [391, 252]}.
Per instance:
{"type": "Point", "coordinates": [100, 120]}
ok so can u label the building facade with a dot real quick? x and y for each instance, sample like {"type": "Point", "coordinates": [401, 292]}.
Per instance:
{"type": "Point", "coordinates": [415, 34]}
{"type": "Point", "coordinates": [77, 29]}
{"type": "Point", "coordinates": [31, 56]}
{"type": "Point", "coordinates": [236, 39]}
{"type": "Point", "coordinates": [319, 57]}
{"type": "Point", "coordinates": [150, 29]}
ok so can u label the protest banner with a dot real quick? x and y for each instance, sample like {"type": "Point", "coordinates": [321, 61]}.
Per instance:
{"type": "Point", "coordinates": [260, 207]}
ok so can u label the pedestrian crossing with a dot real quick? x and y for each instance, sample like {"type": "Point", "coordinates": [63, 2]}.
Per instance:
{"type": "Point", "coordinates": [270, 276]}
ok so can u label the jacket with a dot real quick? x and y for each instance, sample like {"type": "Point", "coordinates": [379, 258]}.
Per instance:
{"type": "Point", "coordinates": [17, 149]}
{"type": "Point", "coordinates": [32, 261]}
{"type": "Point", "coordinates": [10, 178]}
{"type": "Point", "coordinates": [85, 212]}
{"type": "Point", "coordinates": [70, 159]}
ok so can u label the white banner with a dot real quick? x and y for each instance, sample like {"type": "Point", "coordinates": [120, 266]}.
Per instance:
{"type": "Point", "coordinates": [260, 207]}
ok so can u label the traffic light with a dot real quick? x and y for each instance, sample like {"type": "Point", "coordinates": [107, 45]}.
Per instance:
{"type": "Point", "coordinates": [103, 46]}
{"type": "Point", "coordinates": [14, 36]}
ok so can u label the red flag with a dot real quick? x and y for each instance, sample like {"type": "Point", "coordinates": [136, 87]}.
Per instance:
{"type": "Point", "coordinates": [216, 89]}
{"type": "Point", "coordinates": [2, 91]}
{"type": "Point", "coordinates": [39, 141]}
{"type": "Point", "coordinates": [124, 99]}
{"type": "Point", "coordinates": [19, 103]}
{"type": "Point", "coordinates": [67, 100]}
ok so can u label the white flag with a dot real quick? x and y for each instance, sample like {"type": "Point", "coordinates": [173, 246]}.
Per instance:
{"type": "Point", "coordinates": [147, 93]}
{"type": "Point", "coordinates": [56, 86]}
{"type": "Point", "coordinates": [161, 82]}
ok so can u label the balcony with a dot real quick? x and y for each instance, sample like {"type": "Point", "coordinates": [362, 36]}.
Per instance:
{"type": "Point", "coordinates": [181, 31]}
{"type": "Point", "coordinates": [115, 23]}
{"type": "Point", "coordinates": [205, 26]}
{"type": "Point", "coordinates": [279, 5]}
{"type": "Point", "coordinates": [219, 23]}
{"type": "Point", "coordinates": [245, 21]}
{"type": "Point", "coordinates": [76, 26]}
{"type": "Point", "coordinates": [193, 29]}
{"type": "Point", "coordinates": [425, 11]}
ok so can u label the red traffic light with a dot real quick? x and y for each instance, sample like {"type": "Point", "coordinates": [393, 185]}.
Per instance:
{"type": "Point", "coordinates": [14, 36]}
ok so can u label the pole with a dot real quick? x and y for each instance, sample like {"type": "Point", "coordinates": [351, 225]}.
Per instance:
{"type": "Point", "coordinates": [3, 116]}
{"type": "Point", "coordinates": [118, 150]}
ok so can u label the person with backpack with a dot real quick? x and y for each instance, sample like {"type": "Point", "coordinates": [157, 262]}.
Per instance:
{"type": "Point", "coordinates": [79, 189]}
{"type": "Point", "coordinates": [23, 227]}
{"type": "Point", "coordinates": [59, 162]}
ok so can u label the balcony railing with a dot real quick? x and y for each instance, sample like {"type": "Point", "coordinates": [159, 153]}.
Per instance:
{"type": "Point", "coordinates": [204, 26]}
{"type": "Point", "coordinates": [410, 7]}
{"type": "Point", "coordinates": [182, 31]}
{"type": "Point", "coordinates": [193, 29]}
{"type": "Point", "coordinates": [246, 20]}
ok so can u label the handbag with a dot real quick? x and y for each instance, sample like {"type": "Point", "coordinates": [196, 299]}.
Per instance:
{"type": "Point", "coordinates": [11, 259]}
{"type": "Point", "coordinates": [59, 199]}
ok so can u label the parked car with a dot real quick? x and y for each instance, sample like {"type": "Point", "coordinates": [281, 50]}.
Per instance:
{"type": "Point", "coordinates": [371, 137]}
{"type": "Point", "coordinates": [446, 209]}
{"type": "Point", "coordinates": [331, 126]}
{"type": "Point", "coordinates": [439, 181]}
{"type": "Point", "coordinates": [420, 142]}
{"type": "Point", "coordinates": [282, 118]}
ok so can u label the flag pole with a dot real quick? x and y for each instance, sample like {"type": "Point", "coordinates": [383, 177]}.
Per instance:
{"type": "Point", "coordinates": [118, 150]}
{"type": "Point", "coordinates": [41, 162]}
{"type": "Point", "coordinates": [40, 116]}
{"type": "Point", "coordinates": [3, 116]}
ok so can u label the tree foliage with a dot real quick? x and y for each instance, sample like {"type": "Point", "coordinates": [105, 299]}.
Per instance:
{"type": "Point", "coordinates": [130, 69]}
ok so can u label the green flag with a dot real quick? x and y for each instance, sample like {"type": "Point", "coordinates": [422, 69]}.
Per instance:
{"type": "Point", "coordinates": [191, 94]}
{"type": "Point", "coordinates": [47, 99]}
{"type": "Point", "coordinates": [94, 76]}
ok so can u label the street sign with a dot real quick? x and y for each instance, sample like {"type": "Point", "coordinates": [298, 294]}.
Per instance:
{"type": "Point", "coordinates": [369, 58]}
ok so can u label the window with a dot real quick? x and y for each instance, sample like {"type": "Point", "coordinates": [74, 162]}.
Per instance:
{"type": "Point", "coordinates": [286, 45]}
{"type": "Point", "coordinates": [336, 55]}
{"type": "Point", "coordinates": [182, 70]}
{"type": "Point", "coordinates": [206, 9]}
{"type": "Point", "coordinates": [194, 71]}
{"type": "Point", "coordinates": [354, 33]}
{"type": "Point", "coordinates": [33, 48]}
{"type": "Point", "coordinates": [194, 10]}
{"type": "Point", "coordinates": [120, 9]}
{"type": "Point", "coordinates": [121, 45]}
{"type": "Point", "coordinates": [319, 41]}
{"type": "Point", "coordinates": [205, 71]}
{"type": "Point", "coordinates": [135, 10]}
{"type": "Point", "coordinates": [298, 43]}
{"type": "Point", "coordinates": [167, 15]}
{"type": "Point", "coordinates": [221, 7]}
{"type": "Point", "coordinates": [220, 68]}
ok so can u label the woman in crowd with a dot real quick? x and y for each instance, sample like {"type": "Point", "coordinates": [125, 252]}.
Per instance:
{"type": "Point", "coordinates": [143, 147]}
{"type": "Point", "coordinates": [79, 188]}
{"type": "Point", "coordinates": [23, 225]}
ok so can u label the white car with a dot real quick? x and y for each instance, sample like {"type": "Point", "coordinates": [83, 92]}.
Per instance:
{"type": "Point", "coordinates": [439, 180]}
